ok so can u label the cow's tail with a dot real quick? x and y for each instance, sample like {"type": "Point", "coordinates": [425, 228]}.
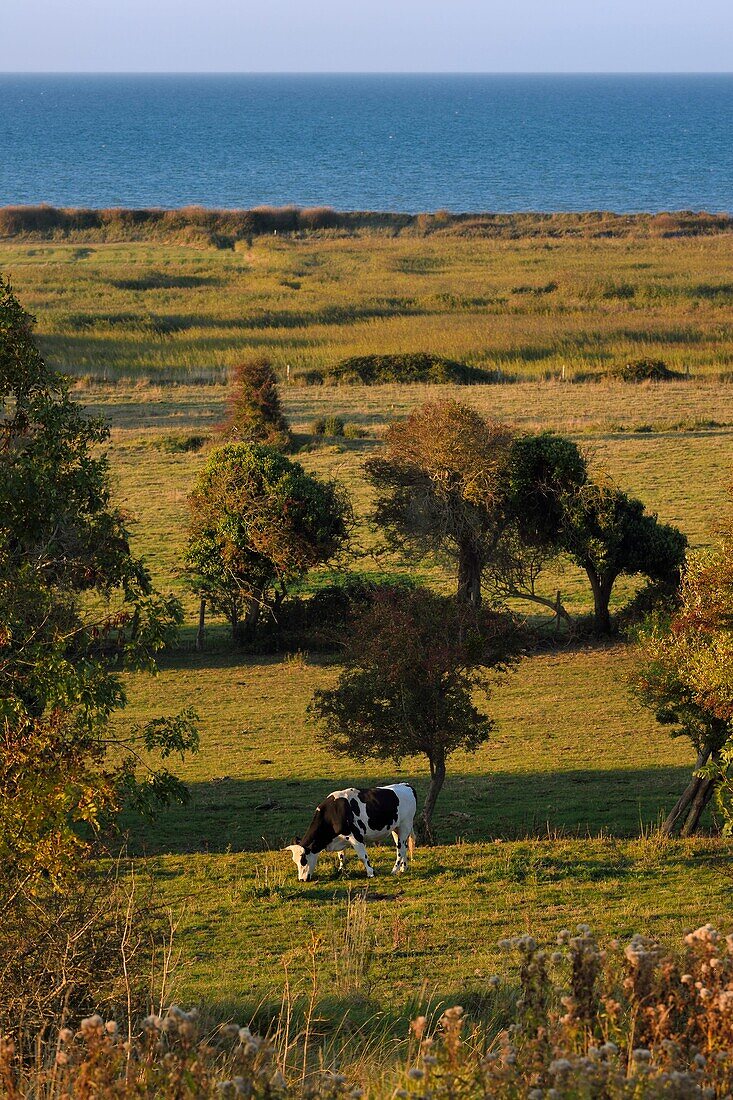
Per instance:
{"type": "Point", "coordinates": [411, 845]}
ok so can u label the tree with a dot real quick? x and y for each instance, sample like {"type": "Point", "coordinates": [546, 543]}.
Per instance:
{"type": "Point", "coordinates": [544, 472]}
{"type": "Point", "coordinates": [441, 487]}
{"type": "Point", "coordinates": [76, 609]}
{"type": "Point", "coordinates": [684, 674]}
{"type": "Point", "coordinates": [254, 413]}
{"type": "Point", "coordinates": [257, 522]}
{"type": "Point", "coordinates": [608, 533]}
{"type": "Point", "coordinates": [413, 662]}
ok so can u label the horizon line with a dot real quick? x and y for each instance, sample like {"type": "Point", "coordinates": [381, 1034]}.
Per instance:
{"type": "Point", "coordinates": [366, 72]}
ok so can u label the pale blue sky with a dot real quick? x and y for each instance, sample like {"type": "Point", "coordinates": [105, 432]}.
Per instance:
{"type": "Point", "coordinates": [366, 35]}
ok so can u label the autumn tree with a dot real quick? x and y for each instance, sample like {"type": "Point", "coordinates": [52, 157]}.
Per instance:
{"type": "Point", "coordinates": [257, 522]}
{"type": "Point", "coordinates": [684, 674]}
{"type": "Point", "coordinates": [254, 411]}
{"type": "Point", "coordinates": [441, 486]}
{"type": "Point", "coordinates": [77, 608]}
{"type": "Point", "coordinates": [413, 663]}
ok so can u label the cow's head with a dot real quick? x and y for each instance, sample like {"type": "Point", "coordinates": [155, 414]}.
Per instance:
{"type": "Point", "coordinates": [304, 860]}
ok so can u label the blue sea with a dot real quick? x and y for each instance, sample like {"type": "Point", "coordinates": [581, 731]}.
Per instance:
{"type": "Point", "coordinates": [408, 143]}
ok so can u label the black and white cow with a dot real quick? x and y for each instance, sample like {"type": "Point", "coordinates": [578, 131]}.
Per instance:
{"type": "Point", "coordinates": [353, 817]}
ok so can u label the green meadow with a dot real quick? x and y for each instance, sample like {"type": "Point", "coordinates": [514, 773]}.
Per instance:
{"type": "Point", "coordinates": [549, 824]}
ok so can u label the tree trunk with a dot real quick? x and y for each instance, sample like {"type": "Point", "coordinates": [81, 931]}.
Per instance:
{"type": "Point", "coordinates": [437, 779]}
{"type": "Point", "coordinates": [601, 587]}
{"type": "Point", "coordinates": [202, 626]}
{"type": "Point", "coordinates": [682, 805]}
{"type": "Point", "coordinates": [469, 575]}
{"type": "Point", "coordinates": [700, 801]}
{"type": "Point", "coordinates": [234, 619]}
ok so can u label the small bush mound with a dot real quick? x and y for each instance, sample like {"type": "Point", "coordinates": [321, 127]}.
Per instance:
{"type": "Point", "coordinates": [330, 426]}
{"type": "Point", "coordinates": [374, 370]}
{"type": "Point", "coordinates": [646, 370]}
{"type": "Point", "coordinates": [179, 443]}
{"type": "Point", "coordinates": [354, 431]}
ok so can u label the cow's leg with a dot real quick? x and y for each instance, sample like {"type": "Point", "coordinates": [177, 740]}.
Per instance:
{"type": "Point", "coordinates": [401, 861]}
{"type": "Point", "coordinates": [361, 851]}
{"type": "Point", "coordinates": [342, 861]}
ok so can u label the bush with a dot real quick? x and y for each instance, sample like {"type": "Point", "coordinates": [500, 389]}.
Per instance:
{"type": "Point", "coordinates": [254, 413]}
{"type": "Point", "coordinates": [354, 431]}
{"type": "Point", "coordinates": [179, 443]}
{"type": "Point", "coordinates": [374, 370]}
{"type": "Point", "coordinates": [646, 370]}
{"type": "Point", "coordinates": [330, 426]}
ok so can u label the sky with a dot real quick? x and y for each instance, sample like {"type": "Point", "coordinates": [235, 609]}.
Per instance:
{"type": "Point", "coordinates": [366, 35]}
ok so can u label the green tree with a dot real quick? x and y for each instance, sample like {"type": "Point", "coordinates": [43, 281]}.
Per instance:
{"type": "Point", "coordinates": [76, 610]}
{"type": "Point", "coordinates": [684, 674]}
{"type": "Point", "coordinates": [257, 522]}
{"type": "Point", "coordinates": [609, 533]}
{"type": "Point", "coordinates": [441, 488]}
{"type": "Point", "coordinates": [413, 663]}
{"type": "Point", "coordinates": [544, 473]}
{"type": "Point", "coordinates": [254, 412]}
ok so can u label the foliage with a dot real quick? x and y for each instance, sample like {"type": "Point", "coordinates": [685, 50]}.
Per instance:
{"type": "Point", "coordinates": [609, 533]}
{"type": "Point", "coordinates": [412, 663]}
{"type": "Point", "coordinates": [543, 474]}
{"type": "Point", "coordinates": [685, 675]}
{"type": "Point", "coordinates": [330, 425]}
{"type": "Point", "coordinates": [376, 370]}
{"type": "Point", "coordinates": [441, 487]}
{"type": "Point", "coordinates": [76, 609]}
{"type": "Point", "coordinates": [254, 413]}
{"type": "Point", "coordinates": [258, 522]}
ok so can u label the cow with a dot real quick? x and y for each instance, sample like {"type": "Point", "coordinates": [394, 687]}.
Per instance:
{"type": "Point", "coordinates": [351, 818]}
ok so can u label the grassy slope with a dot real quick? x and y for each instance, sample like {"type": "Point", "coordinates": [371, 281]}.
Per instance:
{"type": "Point", "coordinates": [572, 756]}
{"type": "Point", "coordinates": [529, 307]}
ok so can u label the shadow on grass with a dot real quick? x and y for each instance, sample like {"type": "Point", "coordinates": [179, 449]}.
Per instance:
{"type": "Point", "coordinates": [229, 814]}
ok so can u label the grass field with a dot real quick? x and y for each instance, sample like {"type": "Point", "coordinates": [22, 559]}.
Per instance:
{"type": "Point", "coordinates": [527, 308]}
{"type": "Point", "coordinates": [552, 821]}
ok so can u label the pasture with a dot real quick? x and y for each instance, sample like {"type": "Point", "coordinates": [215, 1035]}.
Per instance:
{"type": "Point", "coordinates": [552, 821]}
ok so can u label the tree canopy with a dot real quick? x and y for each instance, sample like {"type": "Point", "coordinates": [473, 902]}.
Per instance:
{"type": "Point", "coordinates": [441, 487]}
{"type": "Point", "coordinates": [257, 522]}
{"type": "Point", "coordinates": [76, 609]}
{"type": "Point", "coordinates": [413, 661]}
{"type": "Point", "coordinates": [254, 410]}
{"type": "Point", "coordinates": [684, 674]}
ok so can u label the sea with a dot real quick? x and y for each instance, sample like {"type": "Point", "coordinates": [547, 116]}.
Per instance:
{"type": "Point", "coordinates": [380, 142]}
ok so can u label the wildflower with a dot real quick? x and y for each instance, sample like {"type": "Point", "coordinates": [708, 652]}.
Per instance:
{"type": "Point", "coordinates": [504, 945]}
{"type": "Point", "coordinates": [62, 1058]}
{"type": "Point", "coordinates": [556, 957]}
{"type": "Point", "coordinates": [66, 1034]}
{"type": "Point", "coordinates": [725, 1000]}
{"type": "Point", "coordinates": [430, 1060]}
{"type": "Point", "coordinates": [560, 1065]}
{"type": "Point", "coordinates": [609, 1048]}
{"type": "Point", "coordinates": [535, 1094]}
{"type": "Point", "coordinates": [278, 1082]}
{"type": "Point", "coordinates": [705, 934]}
{"type": "Point", "coordinates": [415, 1074]}
{"type": "Point", "coordinates": [700, 1061]}
{"type": "Point", "coordinates": [111, 1027]}
{"type": "Point", "coordinates": [687, 979]}
{"type": "Point", "coordinates": [418, 1026]}
{"type": "Point", "coordinates": [640, 1055]}
{"type": "Point", "coordinates": [563, 936]}
{"type": "Point", "coordinates": [584, 929]}
{"type": "Point", "coordinates": [92, 1023]}
{"type": "Point", "coordinates": [152, 1023]}
{"type": "Point", "coordinates": [494, 981]}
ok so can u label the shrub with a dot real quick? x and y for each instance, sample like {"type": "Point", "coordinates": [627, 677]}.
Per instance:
{"type": "Point", "coordinates": [330, 426]}
{"type": "Point", "coordinates": [254, 412]}
{"type": "Point", "coordinates": [646, 370]}
{"type": "Point", "coordinates": [372, 370]}
{"type": "Point", "coordinates": [179, 443]}
{"type": "Point", "coordinates": [354, 431]}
